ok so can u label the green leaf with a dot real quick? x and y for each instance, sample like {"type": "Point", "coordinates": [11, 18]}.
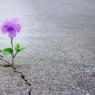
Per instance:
{"type": "Point", "coordinates": [21, 49]}
{"type": "Point", "coordinates": [17, 47]}
{"type": "Point", "coordinates": [7, 51]}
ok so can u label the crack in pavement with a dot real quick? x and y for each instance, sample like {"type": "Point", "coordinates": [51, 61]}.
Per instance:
{"type": "Point", "coordinates": [26, 81]}
{"type": "Point", "coordinates": [21, 74]}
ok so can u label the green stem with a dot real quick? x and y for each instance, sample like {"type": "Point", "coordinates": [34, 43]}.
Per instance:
{"type": "Point", "coordinates": [12, 52]}
{"type": "Point", "coordinates": [15, 54]}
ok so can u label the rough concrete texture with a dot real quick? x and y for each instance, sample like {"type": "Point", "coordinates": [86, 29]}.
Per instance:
{"type": "Point", "coordinates": [60, 40]}
{"type": "Point", "coordinates": [11, 82]}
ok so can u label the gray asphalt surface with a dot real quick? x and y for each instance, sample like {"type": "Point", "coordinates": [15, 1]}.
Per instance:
{"type": "Point", "coordinates": [59, 36]}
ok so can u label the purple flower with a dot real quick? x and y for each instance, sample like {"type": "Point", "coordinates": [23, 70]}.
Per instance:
{"type": "Point", "coordinates": [11, 27]}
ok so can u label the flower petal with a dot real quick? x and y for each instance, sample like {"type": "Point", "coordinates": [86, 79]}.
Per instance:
{"type": "Point", "coordinates": [12, 34]}
{"type": "Point", "coordinates": [11, 27]}
{"type": "Point", "coordinates": [18, 27]}
{"type": "Point", "coordinates": [3, 29]}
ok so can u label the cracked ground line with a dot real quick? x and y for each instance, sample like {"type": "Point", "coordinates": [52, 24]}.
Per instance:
{"type": "Point", "coordinates": [26, 81]}
{"type": "Point", "coordinates": [21, 74]}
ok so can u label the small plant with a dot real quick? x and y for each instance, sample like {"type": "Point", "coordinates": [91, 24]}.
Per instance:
{"type": "Point", "coordinates": [12, 28]}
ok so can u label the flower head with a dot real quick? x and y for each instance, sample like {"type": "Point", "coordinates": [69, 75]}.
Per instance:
{"type": "Point", "coordinates": [11, 27]}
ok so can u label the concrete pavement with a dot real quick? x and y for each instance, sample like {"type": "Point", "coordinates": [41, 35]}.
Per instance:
{"type": "Point", "coordinates": [60, 40]}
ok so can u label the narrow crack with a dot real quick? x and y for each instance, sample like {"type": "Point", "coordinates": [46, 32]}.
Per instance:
{"type": "Point", "coordinates": [21, 74]}
{"type": "Point", "coordinates": [5, 61]}
{"type": "Point", "coordinates": [23, 78]}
